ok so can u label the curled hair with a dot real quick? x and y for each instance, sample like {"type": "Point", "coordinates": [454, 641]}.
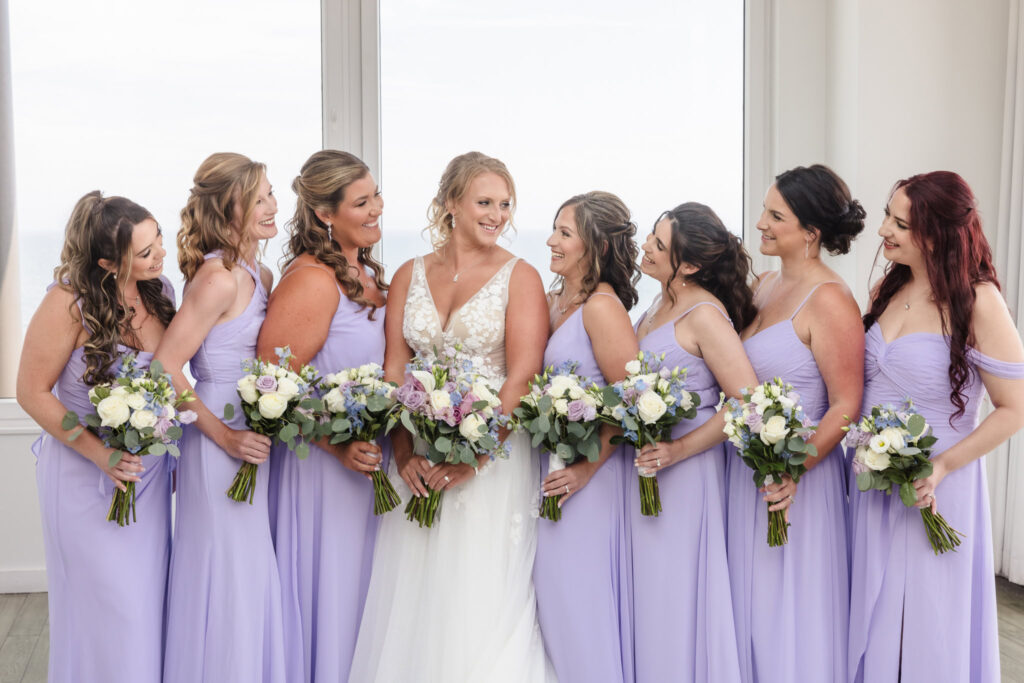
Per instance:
{"type": "Point", "coordinates": [320, 186]}
{"type": "Point", "coordinates": [700, 239]}
{"type": "Point", "coordinates": [945, 225]}
{"type": "Point", "coordinates": [820, 199]}
{"type": "Point", "coordinates": [101, 228]}
{"type": "Point", "coordinates": [454, 183]}
{"type": "Point", "coordinates": [609, 250]}
{"type": "Point", "coordinates": [220, 203]}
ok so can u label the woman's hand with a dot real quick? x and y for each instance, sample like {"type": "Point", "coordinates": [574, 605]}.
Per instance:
{"type": "Point", "coordinates": [658, 456]}
{"type": "Point", "coordinates": [446, 475]}
{"type": "Point", "coordinates": [925, 488]}
{"type": "Point", "coordinates": [780, 494]}
{"type": "Point", "coordinates": [128, 468]}
{"type": "Point", "coordinates": [359, 456]}
{"type": "Point", "coordinates": [245, 445]}
{"type": "Point", "coordinates": [413, 469]}
{"type": "Point", "coordinates": [568, 481]}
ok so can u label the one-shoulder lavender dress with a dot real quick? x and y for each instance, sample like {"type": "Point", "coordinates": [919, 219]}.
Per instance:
{"type": "Point", "coordinates": [325, 522]}
{"type": "Point", "coordinates": [224, 609]}
{"type": "Point", "coordinates": [106, 584]}
{"type": "Point", "coordinates": [791, 602]}
{"type": "Point", "coordinates": [945, 605]}
{"type": "Point", "coordinates": [682, 606]}
{"type": "Point", "coordinates": [581, 571]}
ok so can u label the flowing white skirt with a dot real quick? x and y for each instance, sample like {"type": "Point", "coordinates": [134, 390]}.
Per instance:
{"type": "Point", "coordinates": [456, 602]}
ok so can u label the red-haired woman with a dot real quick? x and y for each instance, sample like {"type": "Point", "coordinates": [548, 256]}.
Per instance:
{"type": "Point", "coordinates": [938, 332]}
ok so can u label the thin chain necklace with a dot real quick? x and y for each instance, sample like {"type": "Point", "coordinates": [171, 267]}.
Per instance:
{"type": "Point", "coordinates": [456, 274]}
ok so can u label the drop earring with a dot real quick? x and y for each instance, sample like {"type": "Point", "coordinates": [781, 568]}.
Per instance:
{"type": "Point", "coordinates": [807, 249]}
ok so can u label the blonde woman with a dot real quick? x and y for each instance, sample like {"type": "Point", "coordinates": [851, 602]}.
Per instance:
{"type": "Point", "coordinates": [224, 596]}
{"type": "Point", "coordinates": [329, 310]}
{"type": "Point", "coordinates": [108, 299]}
{"type": "Point", "coordinates": [455, 602]}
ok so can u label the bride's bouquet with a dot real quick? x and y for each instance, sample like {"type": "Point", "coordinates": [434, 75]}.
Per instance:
{"type": "Point", "coordinates": [560, 413]}
{"type": "Point", "coordinates": [770, 432]}
{"type": "Point", "coordinates": [892, 448]}
{"type": "Point", "coordinates": [278, 403]}
{"type": "Point", "coordinates": [357, 404]}
{"type": "Point", "coordinates": [452, 414]}
{"type": "Point", "coordinates": [136, 413]}
{"type": "Point", "coordinates": [647, 404]}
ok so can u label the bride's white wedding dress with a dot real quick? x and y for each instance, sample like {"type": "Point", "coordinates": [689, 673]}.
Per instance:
{"type": "Point", "coordinates": [455, 603]}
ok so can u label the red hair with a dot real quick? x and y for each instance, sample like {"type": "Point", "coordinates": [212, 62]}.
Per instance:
{"type": "Point", "coordinates": [945, 225]}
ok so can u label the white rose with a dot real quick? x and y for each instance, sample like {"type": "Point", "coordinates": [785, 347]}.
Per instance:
{"type": "Point", "coordinates": [484, 393]}
{"type": "Point", "coordinates": [287, 387]}
{"type": "Point", "coordinates": [786, 402]}
{"type": "Point", "coordinates": [663, 386]}
{"type": "Point", "coordinates": [342, 377]}
{"type": "Point", "coordinates": [729, 429]}
{"type": "Point", "coordinates": [282, 372]}
{"type": "Point", "coordinates": [470, 427]}
{"type": "Point", "coordinates": [758, 395]}
{"type": "Point", "coordinates": [895, 438]}
{"type": "Point", "coordinates": [650, 407]}
{"type": "Point", "coordinates": [335, 400]}
{"type": "Point", "coordinates": [135, 401]}
{"type": "Point", "coordinates": [439, 400]}
{"type": "Point", "coordinates": [247, 389]}
{"type": "Point", "coordinates": [687, 400]}
{"type": "Point", "coordinates": [590, 400]}
{"type": "Point", "coordinates": [575, 392]}
{"type": "Point", "coordinates": [872, 459]}
{"type": "Point", "coordinates": [879, 443]}
{"type": "Point", "coordinates": [141, 419]}
{"type": "Point", "coordinates": [119, 390]}
{"type": "Point", "coordinates": [562, 406]}
{"type": "Point", "coordinates": [560, 385]}
{"type": "Point", "coordinates": [633, 367]}
{"type": "Point", "coordinates": [426, 379]}
{"type": "Point", "coordinates": [367, 370]}
{"type": "Point", "coordinates": [618, 412]}
{"type": "Point", "coordinates": [113, 411]}
{"type": "Point", "coordinates": [774, 429]}
{"type": "Point", "coordinates": [775, 391]}
{"type": "Point", "coordinates": [272, 405]}
{"type": "Point", "coordinates": [270, 369]}
{"type": "Point", "coordinates": [650, 379]}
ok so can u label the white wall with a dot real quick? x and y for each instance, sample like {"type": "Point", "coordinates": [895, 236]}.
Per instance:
{"type": "Point", "coordinates": [22, 565]}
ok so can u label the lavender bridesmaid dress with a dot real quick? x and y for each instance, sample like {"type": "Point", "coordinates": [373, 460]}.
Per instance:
{"type": "Point", "coordinates": [681, 601]}
{"type": "Point", "coordinates": [325, 522]}
{"type": "Point", "coordinates": [581, 570]}
{"type": "Point", "coordinates": [106, 584]}
{"type": "Point", "coordinates": [945, 605]}
{"type": "Point", "coordinates": [791, 603]}
{"type": "Point", "coordinates": [224, 610]}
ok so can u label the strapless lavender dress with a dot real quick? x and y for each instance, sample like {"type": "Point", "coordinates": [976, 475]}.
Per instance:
{"type": "Point", "coordinates": [325, 522]}
{"type": "Point", "coordinates": [225, 620]}
{"type": "Point", "coordinates": [945, 605]}
{"type": "Point", "coordinates": [102, 579]}
{"type": "Point", "coordinates": [682, 606]}
{"type": "Point", "coordinates": [581, 571]}
{"type": "Point", "coordinates": [791, 602]}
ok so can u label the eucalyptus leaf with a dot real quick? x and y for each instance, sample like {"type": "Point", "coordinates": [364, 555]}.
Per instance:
{"type": "Point", "coordinates": [70, 420]}
{"type": "Point", "coordinates": [229, 411]}
{"type": "Point", "coordinates": [916, 425]}
{"type": "Point", "coordinates": [157, 449]}
{"type": "Point", "coordinates": [908, 495]}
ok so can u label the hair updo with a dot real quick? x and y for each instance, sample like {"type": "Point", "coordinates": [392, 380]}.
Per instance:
{"type": "Point", "coordinates": [454, 183]}
{"type": "Point", "coordinates": [609, 250]}
{"type": "Point", "coordinates": [821, 200]}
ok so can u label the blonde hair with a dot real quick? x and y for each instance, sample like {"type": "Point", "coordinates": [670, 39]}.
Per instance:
{"type": "Point", "coordinates": [209, 221]}
{"type": "Point", "coordinates": [454, 183]}
{"type": "Point", "coordinates": [320, 186]}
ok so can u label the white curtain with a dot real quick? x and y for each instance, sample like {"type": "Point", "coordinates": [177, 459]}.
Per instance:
{"type": "Point", "coordinates": [1005, 469]}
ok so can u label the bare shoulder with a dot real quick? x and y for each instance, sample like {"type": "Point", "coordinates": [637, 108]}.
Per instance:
{"type": "Point", "coordinates": [995, 333]}
{"type": "Point", "coordinates": [266, 277]}
{"type": "Point", "coordinates": [212, 283]}
{"type": "Point", "coordinates": [524, 275]}
{"type": "Point", "coordinates": [988, 301]}
{"type": "Point", "coordinates": [833, 297]}
{"type": "Point", "coordinates": [60, 300]}
{"type": "Point", "coordinates": [401, 277]}
{"type": "Point", "coordinates": [709, 316]}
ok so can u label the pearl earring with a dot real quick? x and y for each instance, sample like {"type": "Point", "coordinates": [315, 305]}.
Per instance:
{"type": "Point", "coordinates": [453, 221]}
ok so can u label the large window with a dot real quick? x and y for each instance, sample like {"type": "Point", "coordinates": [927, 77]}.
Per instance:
{"type": "Point", "coordinates": [642, 99]}
{"type": "Point", "coordinates": [130, 97]}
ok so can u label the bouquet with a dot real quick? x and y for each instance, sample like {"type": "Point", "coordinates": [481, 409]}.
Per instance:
{"type": "Point", "coordinates": [770, 432]}
{"type": "Point", "coordinates": [136, 413]}
{"type": "Point", "coordinates": [892, 447]}
{"type": "Point", "coordinates": [647, 404]}
{"type": "Point", "coordinates": [278, 403]}
{"type": "Point", "coordinates": [561, 416]}
{"type": "Point", "coordinates": [452, 413]}
{"type": "Point", "coordinates": [357, 405]}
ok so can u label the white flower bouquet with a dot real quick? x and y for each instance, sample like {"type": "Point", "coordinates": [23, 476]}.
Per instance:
{"type": "Point", "coordinates": [138, 413]}
{"type": "Point", "coordinates": [356, 406]}
{"type": "Point", "coordinates": [770, 432]}
{"type": "Point", "coordinates": [452, 413]}
{"type": "Point", "coordinates": [892, 448]}
{"type": "Point", "coordinates": [278, 403]}
{"type": "Point", "coordinates": [560, 413]}
{"type": "Point", "coordinates": [647, 404]}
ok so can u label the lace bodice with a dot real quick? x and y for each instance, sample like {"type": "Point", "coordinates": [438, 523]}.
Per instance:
{"type": "Point", "coordinates": [478, 325]}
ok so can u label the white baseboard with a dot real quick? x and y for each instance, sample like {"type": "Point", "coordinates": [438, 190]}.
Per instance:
{"type": "Point", "coordinates": [22, 581]}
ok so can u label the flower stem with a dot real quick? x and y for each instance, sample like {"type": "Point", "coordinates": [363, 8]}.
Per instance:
{"type": "Point", "coordinates": [122, 503]}
{"type": "Point", "coordinates": [941, 535]}
{"type": "Point", "coordinates": [423, 509]}
{"type": "Point", "coordinates": [549, 508]}
{"type": "Point", "coordinates": [244, 485]}
{"type": "Point", "coordinates": [385, 498]}
{"type": "Point", "coordinates": [778, 528]}
{"type": "Point", "coordinates": [650, 496]}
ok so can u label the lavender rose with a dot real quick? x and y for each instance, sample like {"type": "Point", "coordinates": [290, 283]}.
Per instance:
{"type": "Point", "coordinates": [266, 384]}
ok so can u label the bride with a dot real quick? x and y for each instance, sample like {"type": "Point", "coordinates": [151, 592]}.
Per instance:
{"type": "Point", "coordinates": [455, 602]}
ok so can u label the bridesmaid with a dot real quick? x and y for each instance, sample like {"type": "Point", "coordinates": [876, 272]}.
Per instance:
{"type": "Point", "coordinates": [224, 595]}
{"type": "Point", "coordinates": [328, 308]}
{"type": "Point", "coordinates": [581, 570]}
{"type": "Point", "coordinates": [681, 601]}
{"type": "Point", "coordinates": [791, 603]}
{"type": "Point", "coordinates": [108, 299]}
{"type": "Point", "coordinates": [938, 332]}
